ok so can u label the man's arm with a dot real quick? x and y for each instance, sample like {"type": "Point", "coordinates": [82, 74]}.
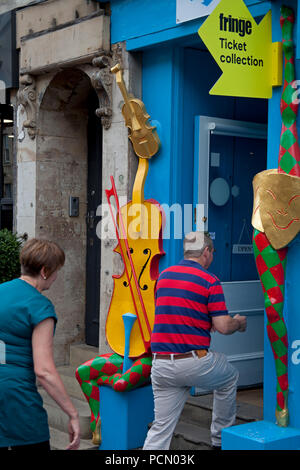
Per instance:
{"type": "Point", "coordinates": [226, 325]}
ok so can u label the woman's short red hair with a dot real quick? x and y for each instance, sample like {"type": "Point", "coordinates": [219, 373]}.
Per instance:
{"type": "Point", "coordinates": [37, 254]}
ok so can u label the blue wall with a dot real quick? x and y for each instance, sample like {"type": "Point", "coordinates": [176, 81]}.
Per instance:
{"type": "Point", "coordinates": [146, 22]}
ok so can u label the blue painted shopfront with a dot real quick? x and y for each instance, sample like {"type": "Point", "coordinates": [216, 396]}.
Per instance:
{"type": "Point", "coordinates": [178, 73]}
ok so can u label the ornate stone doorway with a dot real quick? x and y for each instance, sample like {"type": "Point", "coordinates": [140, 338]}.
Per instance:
{"type": "Point", "coordinates": [69, 139]}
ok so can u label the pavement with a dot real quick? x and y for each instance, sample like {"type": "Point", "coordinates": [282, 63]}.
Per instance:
{"type": "Point", "coordinates": [193, 429]}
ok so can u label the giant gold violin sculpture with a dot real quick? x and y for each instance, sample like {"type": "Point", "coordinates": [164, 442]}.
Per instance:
{"type": "Point", "coordinates": [139, 226]}
{"type": "Point", "coordinates": [139, 232]}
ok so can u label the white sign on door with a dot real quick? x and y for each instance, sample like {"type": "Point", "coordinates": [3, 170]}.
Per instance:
{"type": "Point", "coordinates": [239, 249]}
{"type": "Point", "coordinates": [187, 10]}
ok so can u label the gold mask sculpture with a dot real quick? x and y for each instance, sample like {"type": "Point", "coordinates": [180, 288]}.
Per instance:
{"type": "Point", "coordinates": [276, 207]}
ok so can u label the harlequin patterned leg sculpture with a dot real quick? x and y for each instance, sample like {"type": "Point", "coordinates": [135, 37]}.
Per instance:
{"type": "Point", "coordinates": [289, 152]}
{"type": "Point", "coordinates": [274, 194]}
{"type": "Point", "coordinates": [271, 268]}
{"type": "Point", "coordinates": [107, 370]}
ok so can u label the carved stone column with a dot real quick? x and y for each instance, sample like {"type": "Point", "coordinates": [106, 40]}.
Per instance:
{"type": "Point", "coordinates": [27, 97]}
{"type": "Point", "coordinates": [101, 80]}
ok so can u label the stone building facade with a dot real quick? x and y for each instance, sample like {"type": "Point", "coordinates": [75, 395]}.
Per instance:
{"type": "Point", "coordinates": [69, 138]}
{"type": "Point", "coordinates": [8, 5]}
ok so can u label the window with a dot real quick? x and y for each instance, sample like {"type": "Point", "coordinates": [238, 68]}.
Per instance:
{"type": "Point", "coordinates": [6, 166]}
{"type": "Point", "coordinates": [8, 190]}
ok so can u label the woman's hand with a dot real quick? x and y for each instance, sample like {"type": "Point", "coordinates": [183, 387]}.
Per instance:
{"type": "Point", "coordinates": [74, 433]}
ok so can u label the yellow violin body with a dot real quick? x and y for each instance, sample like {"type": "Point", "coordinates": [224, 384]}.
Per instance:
{"type": "Point", "coordinates": [145, 253]}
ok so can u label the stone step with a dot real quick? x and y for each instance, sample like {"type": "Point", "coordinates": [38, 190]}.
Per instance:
{"type": "Point", "coordinates": [201, 417]}
{"type": "Point", "coordinates": [59, 440]}
{"type": "Point", "coordinates": [80, 353]}
{"type": "Point", "coordinates": [57, 419]}
{"type": "Point", "coordinates": [189, 436]}
{"type": "Point", "coordinates": [196, 415]}
{"type": "Point", "coordinates": [193, 429]}
{"type": "Point", "coordinates": [245, 412]}
{"type": "Point", "coordinates": [67, 374]}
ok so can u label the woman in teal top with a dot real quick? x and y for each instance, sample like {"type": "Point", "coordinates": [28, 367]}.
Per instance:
{"type": "Point", "coordinates": [27, 325]}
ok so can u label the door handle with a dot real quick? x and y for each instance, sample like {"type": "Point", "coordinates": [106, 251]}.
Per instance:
{"type": "Point", "coordinates": [90, 219]}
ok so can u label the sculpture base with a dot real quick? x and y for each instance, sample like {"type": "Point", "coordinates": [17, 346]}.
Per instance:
{"type": "Point", "coordinates": [260, 435]}
{"type": "Point", "coordinates": [125, 417]}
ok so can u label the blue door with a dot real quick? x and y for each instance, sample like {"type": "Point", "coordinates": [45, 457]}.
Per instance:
{"type": "Point", "coordinates": [234, 161]}
{"type": "Point", "coordinates": [228, 155]}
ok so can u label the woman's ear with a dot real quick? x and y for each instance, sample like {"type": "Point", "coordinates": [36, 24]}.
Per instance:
{"type": "Point", "coordinates": [43, 273]}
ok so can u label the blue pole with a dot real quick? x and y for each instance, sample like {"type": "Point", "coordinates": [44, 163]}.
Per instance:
{"type": "Point", "coordinates": [128, 319]}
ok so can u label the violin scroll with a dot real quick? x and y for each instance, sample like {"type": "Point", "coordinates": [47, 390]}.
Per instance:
{"type": "Point", "coordinates": [143, 136]}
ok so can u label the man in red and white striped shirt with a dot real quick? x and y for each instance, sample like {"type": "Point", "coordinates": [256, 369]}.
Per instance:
{"type": "Point", "coordinates": [189, 304]}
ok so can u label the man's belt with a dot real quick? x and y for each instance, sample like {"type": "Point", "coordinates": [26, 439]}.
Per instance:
{"type": "Point", "coordinates": [199, 352]}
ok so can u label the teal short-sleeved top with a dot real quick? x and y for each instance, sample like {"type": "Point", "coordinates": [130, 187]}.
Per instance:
{"type": "Point", "coordinates": [23, 419]}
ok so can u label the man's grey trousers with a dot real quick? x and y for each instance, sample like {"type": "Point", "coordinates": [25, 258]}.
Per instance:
{"type": "Point", "coordinates": [171, 382]}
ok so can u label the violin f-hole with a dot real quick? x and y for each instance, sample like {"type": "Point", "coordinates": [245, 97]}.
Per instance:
{"type": "Point", "coordinates": [125, 283]}
{"type": "Point", "coordinates": [146, 251]}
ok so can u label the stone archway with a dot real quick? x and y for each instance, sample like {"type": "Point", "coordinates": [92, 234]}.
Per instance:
{"type": "Point", "coordinates": [61, 173]}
